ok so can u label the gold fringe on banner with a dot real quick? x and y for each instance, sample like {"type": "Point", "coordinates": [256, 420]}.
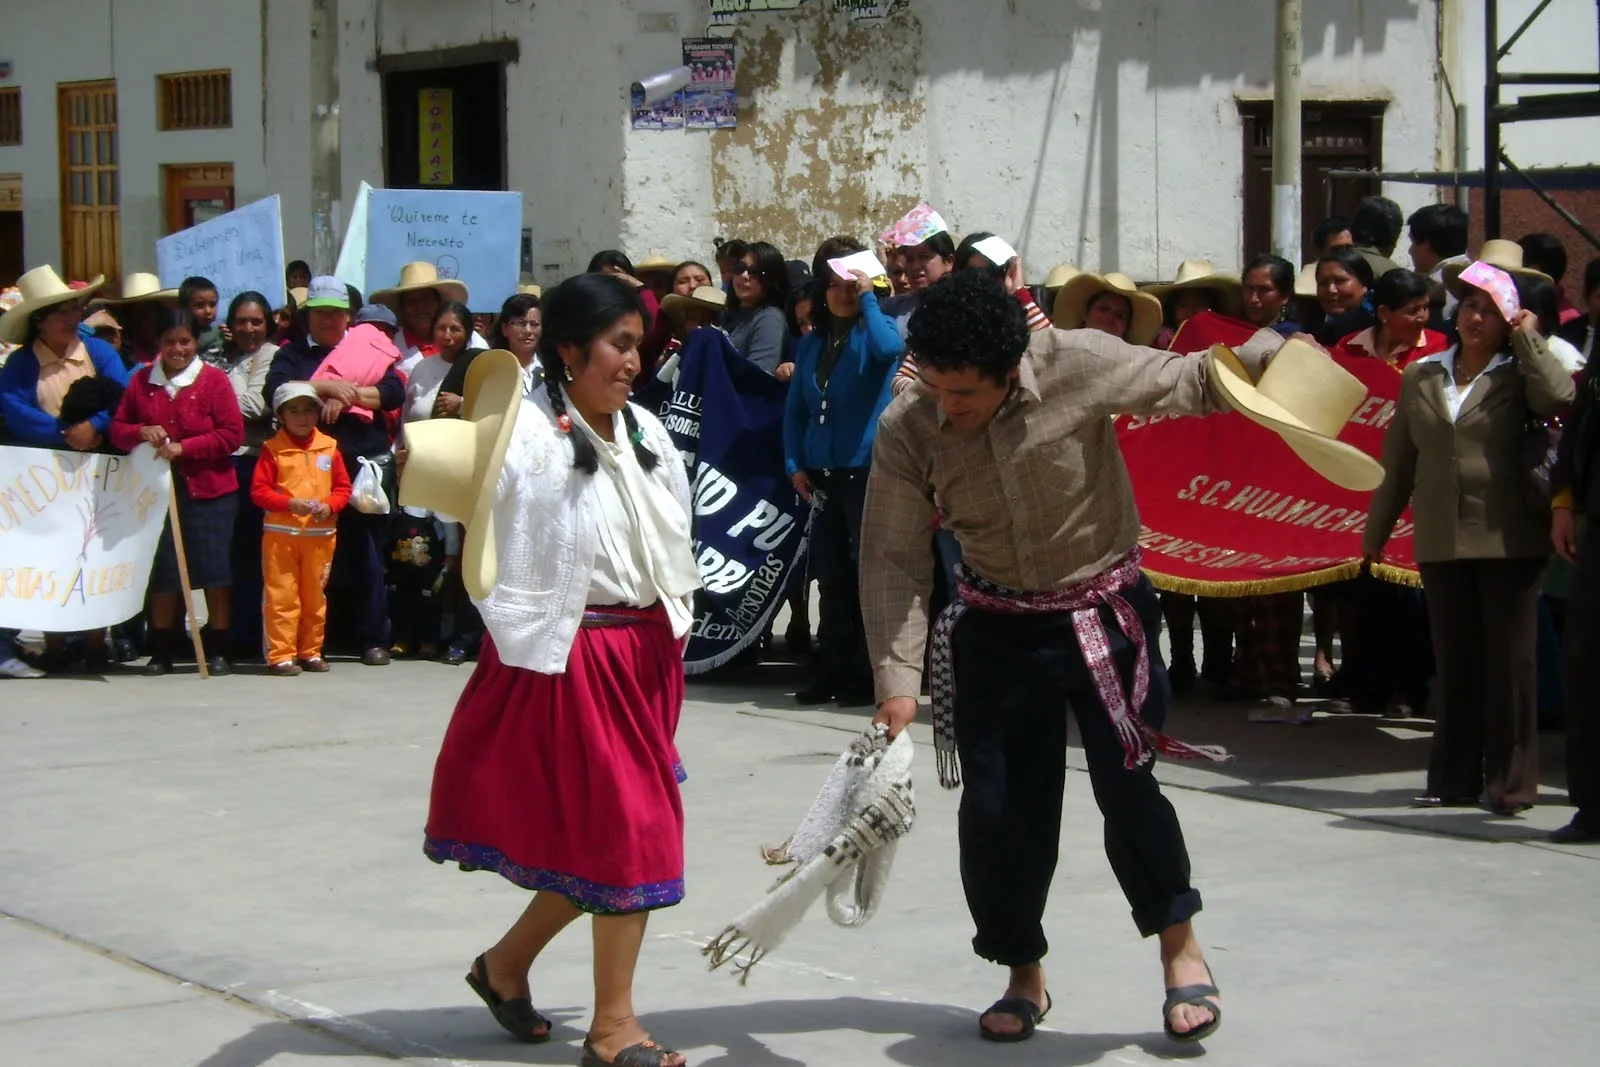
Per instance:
{"type": "Point", "coordinates": [1289, 583]}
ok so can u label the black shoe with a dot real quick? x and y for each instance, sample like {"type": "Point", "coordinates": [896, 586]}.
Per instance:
{"type": "Point", "coordinates": [816, 693]}
{"type": "Point", "coordinates": [97, 661]}
{"type": "Point", "coordinates": [124, 650]}
{"type": "Point", "coordinates": [454, 656]}
{"type": "Point", "coordinates": [375, 657]}
{"type": "Point", "coordinates": [212, 643]}
{"type": "Point", "coordinates": [1579, 831]}
{"type": "Point", "coordinates": [160, 643]}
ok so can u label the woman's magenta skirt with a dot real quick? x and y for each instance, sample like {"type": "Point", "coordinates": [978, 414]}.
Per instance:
{"type": "Point", "coordinates": [569, 782]}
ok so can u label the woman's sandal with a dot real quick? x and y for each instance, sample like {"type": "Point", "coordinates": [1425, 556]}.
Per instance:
{"type": "Point", "coordinates": [1024, 1009]}
{"type": "Point", "coordinates": [644, 1054]}
{"type": "Point", "coordinates": [1197, 996]}
{"type": "Point", "coordinates": [514, 1014]}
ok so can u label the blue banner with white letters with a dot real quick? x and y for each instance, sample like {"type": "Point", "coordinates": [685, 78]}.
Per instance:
{"type": "Point", "coordinates": [750, 526]}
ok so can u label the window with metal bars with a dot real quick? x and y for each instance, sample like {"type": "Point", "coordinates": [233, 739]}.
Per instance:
{"type": "Point", "coordinates": [11, 115]}
{"type": "Point", "coordinates": [195, 100]}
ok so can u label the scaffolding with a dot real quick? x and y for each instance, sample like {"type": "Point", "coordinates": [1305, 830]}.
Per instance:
{"type": "Point", "coordinates": [1499, 170]}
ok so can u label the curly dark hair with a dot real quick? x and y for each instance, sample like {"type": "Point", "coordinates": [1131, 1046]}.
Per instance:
{"type": "Point", "coordinates": [967, 319]}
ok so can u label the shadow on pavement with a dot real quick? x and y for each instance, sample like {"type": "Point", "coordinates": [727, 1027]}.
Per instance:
{"type": "Point", "coordinates": [928, 1036]}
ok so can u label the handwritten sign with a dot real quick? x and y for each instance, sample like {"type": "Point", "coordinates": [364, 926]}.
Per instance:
{"type": "Point", "coordinates": [352, 266]}
{"type": "Point", "coordinates": [78, 534]}
{"type": "Point", "coordinates": [471, 236]}
{"type": "Point", "coordinates": [239, 252]}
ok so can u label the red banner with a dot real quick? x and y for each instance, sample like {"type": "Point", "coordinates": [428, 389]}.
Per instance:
{"type": "Point", "coordinates": [1227, 509]}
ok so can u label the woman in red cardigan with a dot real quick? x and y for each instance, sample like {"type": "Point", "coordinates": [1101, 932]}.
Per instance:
{"type": "Point", "coordinates": [187, 411]}
{"type": "Point", "coordinates": [1402, 336]}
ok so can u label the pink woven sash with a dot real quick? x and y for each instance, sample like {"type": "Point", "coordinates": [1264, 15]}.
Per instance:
{"type": "Point", "coordinates": [1082, 602]}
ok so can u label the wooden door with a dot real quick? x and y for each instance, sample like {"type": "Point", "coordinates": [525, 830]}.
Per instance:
{"type": "Point", "coordinates": [91, 186]}
{"type": "Point", "coordinates": [1334, 136]}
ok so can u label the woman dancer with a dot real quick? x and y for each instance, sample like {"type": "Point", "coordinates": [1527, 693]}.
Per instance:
{"type": "Point", "coordinates": [558, 770]}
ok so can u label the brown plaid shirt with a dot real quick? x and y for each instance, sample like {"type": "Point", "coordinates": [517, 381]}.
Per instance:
{"type": "Point", "coordinates": [1039, 498]}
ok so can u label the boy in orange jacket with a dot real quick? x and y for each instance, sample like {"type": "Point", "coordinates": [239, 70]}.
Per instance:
{"type": "Point", "coordinates": [301, 483]}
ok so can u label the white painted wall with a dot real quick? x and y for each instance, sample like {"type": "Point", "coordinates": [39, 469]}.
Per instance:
{"type": "Point", "coordinates": [1098, 133]}
{"type": "Point", "coordinates": [1563, 38]}
{"type": "Point", "coordinates": [50, 42]}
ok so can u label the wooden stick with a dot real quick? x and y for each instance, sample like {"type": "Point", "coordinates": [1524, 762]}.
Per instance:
{"type": "Point", "coordinates": [183, 578]}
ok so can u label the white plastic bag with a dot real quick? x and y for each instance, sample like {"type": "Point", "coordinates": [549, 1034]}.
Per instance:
{"type": "Point", "coordinates": [366, 492]}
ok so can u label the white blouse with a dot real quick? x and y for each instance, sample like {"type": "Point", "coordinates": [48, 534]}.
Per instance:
{"type": "Point", "coordinates": [1455, 398]}
{"type": "Point", "coordinates": [620, 572]}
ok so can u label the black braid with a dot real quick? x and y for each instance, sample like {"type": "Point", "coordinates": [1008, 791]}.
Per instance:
{"type": "Point", "coordinates": [647, 459]}
{"type": "Point", "coordinates": [584, 457]}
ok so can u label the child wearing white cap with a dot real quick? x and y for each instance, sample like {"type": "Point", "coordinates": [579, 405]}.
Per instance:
{"type": "Point", "coordinates": [301, 483]}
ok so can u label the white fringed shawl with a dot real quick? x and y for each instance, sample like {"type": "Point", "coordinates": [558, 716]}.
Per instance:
{"type": "Point", "coordinates": [844, 846]}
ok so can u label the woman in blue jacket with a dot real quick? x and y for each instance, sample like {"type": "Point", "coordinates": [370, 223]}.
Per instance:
{"type": "Point", "coordinates": [34, 380]}
{"type": "Point", "coordinates": [841, 384]}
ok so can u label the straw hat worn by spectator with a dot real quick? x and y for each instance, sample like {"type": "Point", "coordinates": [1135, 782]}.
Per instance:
{"type": "Point", "coordinates": [1506, 255]}
{"type": "Point", "coordinates": [1227, 291]}
{"type": "Point", "coordinates": [1073, 300]}
{"type": "Point", "coordinates": [418, 277]}
{"type": "Point", "coordinates": [845, 847]}
{"type": "Point", "coordinates": [705, 298]}
{"type": "Point", "coordinates": [40, 288]}
{"type": "Point", "coordinates": [1060, 275]}
{"type": "Point", "coordinates": [136, 287]}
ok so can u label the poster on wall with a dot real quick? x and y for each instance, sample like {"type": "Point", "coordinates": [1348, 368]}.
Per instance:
{"type": "Point", "coordinates": [239, 251]}
{"type": "Point", "coordinates": [656, 102]}
{"type": "Point", "coordinates": [710, 102]}
{"type": "Point", "coordinates": [473, 236]}
{"type": "Point", "coordinates": [436, 137]}
{"type": "Point", "coordinates": [869, 10]}
{"type": "Point", "coordinates": [78, 533]}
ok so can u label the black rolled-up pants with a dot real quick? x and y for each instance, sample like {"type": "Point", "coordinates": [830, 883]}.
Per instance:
{"type": "Point", "coordinates": [1016, 676]}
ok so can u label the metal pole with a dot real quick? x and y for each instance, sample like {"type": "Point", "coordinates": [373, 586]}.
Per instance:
{"type": "Point", "coordinates": [1286, 141]}
{"type": "Point", "coordinates": [325, 171]}
{"type": "Point", "coordinates": [1462, 164]}
{"type": "Point", "coordinates": [1491, 124]}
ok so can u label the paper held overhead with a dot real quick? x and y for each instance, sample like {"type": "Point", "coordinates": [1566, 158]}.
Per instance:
{"type": "Point", "coordinates": [658, 87]}
{"type": "Point", "coordinates": [865, 262]}
{"type": "Point", "coordinates": [995, 250]}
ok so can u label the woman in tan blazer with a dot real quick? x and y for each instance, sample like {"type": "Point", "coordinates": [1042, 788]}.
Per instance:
{"type": "Point", "coordinates": [1452, 452]}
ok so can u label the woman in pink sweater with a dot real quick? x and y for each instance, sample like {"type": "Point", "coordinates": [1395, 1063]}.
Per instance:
{"type": "Point", "coordinates": [187, 411]}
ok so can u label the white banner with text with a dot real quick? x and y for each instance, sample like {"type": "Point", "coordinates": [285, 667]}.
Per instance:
{"type": "Point", "coordinates": [78, 533]}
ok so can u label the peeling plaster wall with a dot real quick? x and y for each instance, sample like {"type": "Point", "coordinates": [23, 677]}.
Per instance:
{"type": "Point", "coordinates": [833, 130]}
{"type": "Point", "coordinates": [1097, 133]}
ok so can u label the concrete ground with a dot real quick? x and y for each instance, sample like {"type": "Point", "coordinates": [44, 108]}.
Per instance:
{"type": "Point", "coordinates": [229, 874]}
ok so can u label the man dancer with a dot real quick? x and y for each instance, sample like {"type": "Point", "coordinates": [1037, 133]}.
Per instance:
{"type": "Point", "coordinates": [1015, 440]}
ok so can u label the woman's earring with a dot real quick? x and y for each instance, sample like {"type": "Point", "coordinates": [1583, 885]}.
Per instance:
{"type": "Point", "coordinates": [566, 372]}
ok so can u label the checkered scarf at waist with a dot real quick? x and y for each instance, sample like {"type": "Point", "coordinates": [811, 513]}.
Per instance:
{"type": "Point", "coordinates": [1082, 602]}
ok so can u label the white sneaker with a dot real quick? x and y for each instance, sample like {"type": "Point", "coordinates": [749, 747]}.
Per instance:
{"type": "Point", "coordinates": [13, 667]}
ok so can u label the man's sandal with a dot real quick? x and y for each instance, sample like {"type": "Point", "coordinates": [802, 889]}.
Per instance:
{"type": "Point", "coordinates": [515, 1014]}
{"type": "Point", "coordinates": [1197, 996]}
{"type": "Point", "coordinates": [644, 1054]}
{"type": "Point", "coordinates": [1025, 1010]}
